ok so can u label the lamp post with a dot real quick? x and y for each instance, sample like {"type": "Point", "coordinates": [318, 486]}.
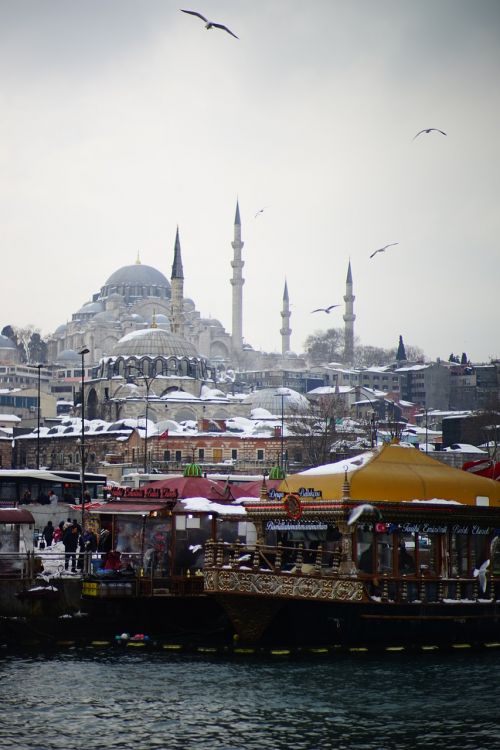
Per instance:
{"type": "Point", "coordinates": [282, 393]}
{"type": "Point", "coordinates": [148, 381]}
{"type": "Point", "coordinates": [82, 475]}
{"type": "Point", "coordinates": [39, 367]}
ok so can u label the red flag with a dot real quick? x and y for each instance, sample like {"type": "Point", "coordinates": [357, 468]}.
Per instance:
{"type": "Point", "coordinates": [164, 435]}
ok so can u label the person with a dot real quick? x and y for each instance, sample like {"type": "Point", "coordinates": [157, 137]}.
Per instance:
{"type": "Point", "coordinates": [365, 562]}
{"type": "Point", "coordinates": [58, 533]}
{"type": "Point", "coordinates": [112, 560]}
{"type": "Point", "coordinates": [70, 541]}
{"type": "Point", "coordinates": [43, 499]}
{"type": "Point", "coordinates": [88, 543]}
{"type": "Point", "coordinates": [406, 561]}
{"type": "Point", "coordinates": [48, 533]}
{"type": "Point", "coordinates": [53, 499]}
{"type": "Point", "coordinates": [26, 498]}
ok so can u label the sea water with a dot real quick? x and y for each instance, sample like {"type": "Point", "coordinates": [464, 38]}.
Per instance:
{"type": "Point", "coordinates": [118, 700]}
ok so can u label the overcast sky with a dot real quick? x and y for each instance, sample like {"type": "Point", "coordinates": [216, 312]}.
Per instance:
{"type": "Point", "coordinates": [121, 119]}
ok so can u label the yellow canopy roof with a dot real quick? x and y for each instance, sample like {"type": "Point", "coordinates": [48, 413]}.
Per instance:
{"type": "Point", "coordinates": [395, 473]}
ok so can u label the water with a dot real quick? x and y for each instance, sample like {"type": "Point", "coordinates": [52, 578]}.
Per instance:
{"type": "Point", "coordinates": [88, 700]}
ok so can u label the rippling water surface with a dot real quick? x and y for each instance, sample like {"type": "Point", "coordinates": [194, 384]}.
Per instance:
{"type": "Point", "coordinates": [89, 700]}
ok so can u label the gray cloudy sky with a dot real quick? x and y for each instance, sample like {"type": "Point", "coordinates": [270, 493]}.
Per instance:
{"type": "Point", "coordinates": [122, 118]}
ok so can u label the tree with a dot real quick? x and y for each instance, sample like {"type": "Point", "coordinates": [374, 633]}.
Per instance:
{"type": "Point", "coordinates": [401, 353]}
{"type": "Point", "coordinates": [464, 359]}
{"type": "Point", "coordinates": [323, 347]}
{"type": "Point", "coordinates": [28, 341]}
{"type": "Point", "coordinates": [37, 349]}
{"type": "Point", "coordinates": [317, 428]}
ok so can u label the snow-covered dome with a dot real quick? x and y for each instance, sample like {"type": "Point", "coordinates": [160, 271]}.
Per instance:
{"type": "Point", "coordinates": [67, 356]}
{"type": "Point", "coordinates": [90, 308]}
{"type": "Point", "coordinates": [272, 399]}
{"type": "Point", "coordinates": [105, 317]}
{"type": "Point", "coordinates": [137, 273]}
{"type": "Point", "coordinates": [6, 343]}
{"type": "Point", "coordinates": [154, 342]}
{"type": "Point", "coordinates": [62, 328]}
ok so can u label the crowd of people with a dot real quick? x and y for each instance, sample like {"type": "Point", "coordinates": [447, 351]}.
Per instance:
{"type": "Point", "coordinates": [76, 542]}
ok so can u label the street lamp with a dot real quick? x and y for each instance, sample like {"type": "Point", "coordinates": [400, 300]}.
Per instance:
{"type": "Point", "coordinates": [148, 381]}
{"type": "Point", "coordinates": [282, 393]}
{"type": "Point", "coordinates": [82, 474]}
{"type": "Point", "coordinates": [39, 367]}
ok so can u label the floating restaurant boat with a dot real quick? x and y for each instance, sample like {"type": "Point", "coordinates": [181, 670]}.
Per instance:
{"type": "Point", "coordinates": [390, 548]}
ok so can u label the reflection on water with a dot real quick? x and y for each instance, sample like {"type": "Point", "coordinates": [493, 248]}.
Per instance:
{"type": "Point", "coordinates": [86, 700]}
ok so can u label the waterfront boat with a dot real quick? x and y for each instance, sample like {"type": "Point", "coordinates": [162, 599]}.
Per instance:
{"type": "Point", "coordinates": [388, 549]}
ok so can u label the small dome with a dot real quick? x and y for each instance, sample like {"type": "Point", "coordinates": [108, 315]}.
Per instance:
{"type": "Point", "coordinates": [6, 343]}
{"type": "Point", "coordinates": [105, 317]}
{"type": "Point", "coordinates": [68, 355]}
{"type": "Point", "coordinates": [137, 274]}
{"type": "Point", "coordinates": [154, 342]}
{"type": "Point", "coordinates": [136, 318]}
{"type": "Point", "coordinates": [90, 308]}
{"type": "Point", "coordinates": [62, 328]}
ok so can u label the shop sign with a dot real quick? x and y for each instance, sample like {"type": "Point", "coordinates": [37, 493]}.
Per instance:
{"type": "Point", "coordinates": [149, 493]}
{"type": "Point", "coordinates": [289, 526]}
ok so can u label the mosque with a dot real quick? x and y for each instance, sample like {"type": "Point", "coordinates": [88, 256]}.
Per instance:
{"type": "Point", "coordinates": [141, 327]}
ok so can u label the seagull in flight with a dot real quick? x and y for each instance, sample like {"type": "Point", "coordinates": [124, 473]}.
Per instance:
{"type": "Point", "coordinates": [325, 309]}
{"type": "Point", "coordinates": [429, 130]}
{"type": "Point", "coordinates": [480, 573]}
{"type": "Point", "coordinates": [363, 510]}
{"type": "Point", "coordinates": [260, 211]}
{"type": "Point", "coordinates": [383, 249]}
{"type": "Point", "coordinates": [210, 24]}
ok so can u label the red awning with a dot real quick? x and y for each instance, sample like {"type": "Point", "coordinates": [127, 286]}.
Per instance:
{"type": "Point", "coordinates": [15, 515]}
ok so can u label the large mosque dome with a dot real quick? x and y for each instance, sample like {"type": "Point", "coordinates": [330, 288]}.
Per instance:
{"type": "Point", "coordinates": [137, 273]}
{"type": "Point", "coordinates": [154, 342]}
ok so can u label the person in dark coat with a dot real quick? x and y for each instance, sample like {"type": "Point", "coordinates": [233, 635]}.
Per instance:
{"type": "Point", "coordinates": [70, 541]}
{"type": "Point", "coordinates": [48, 533]}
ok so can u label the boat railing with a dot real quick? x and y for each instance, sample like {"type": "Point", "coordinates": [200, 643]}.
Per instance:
{"type": "Point", "coordinates": [320, 563]}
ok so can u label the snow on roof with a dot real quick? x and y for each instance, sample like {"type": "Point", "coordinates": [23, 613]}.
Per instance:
{"type": "Point", "coordinates": [9, 418]}
{"type": "Point", "coordinates": [463, 448]}
{"type": "Point", "coordinates": [201, 504]}
{"type": "Point", "coordinates": [327, 390]}
{"type": "Point", "coordinates": [340, 466]}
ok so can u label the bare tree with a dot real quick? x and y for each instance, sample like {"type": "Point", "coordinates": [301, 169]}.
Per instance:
{"type": "Point", "coordinates": [316, 428]}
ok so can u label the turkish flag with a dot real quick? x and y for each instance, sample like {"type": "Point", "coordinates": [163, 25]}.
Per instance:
{"type": "Point", "coordinates": [164, 435]}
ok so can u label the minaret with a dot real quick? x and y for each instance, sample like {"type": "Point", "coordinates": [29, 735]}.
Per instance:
{"type": "Point", "coordinates": [177, 291]}
{"type": "Point", "coordinates": [237, 283]}
{"type": "Point", "coordinates": [349, 319]}
{"type": "Point", "coordinates": [285, 329]}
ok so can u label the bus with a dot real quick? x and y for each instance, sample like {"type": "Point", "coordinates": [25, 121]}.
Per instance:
{"type": "Point", "coordinates": [24, 486]}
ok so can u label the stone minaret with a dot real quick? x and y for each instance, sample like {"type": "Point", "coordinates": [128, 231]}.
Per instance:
{"type": "Point", "coordinates": [285, 329]}
{"type": "Point", "coordinates": [177, 287]}
{"type": "Point", "coordinates": [237, 283]}
{"type": "Point", "coordinates": [349, 319]}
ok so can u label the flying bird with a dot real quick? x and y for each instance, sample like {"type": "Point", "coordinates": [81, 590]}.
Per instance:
{"type": "Point", "coordinates": [210, 24]}
{"type": "Point", "coordinates": [363, 510]}
{"type": "Point", "coordinates": [383, 249]}
{"type": "Point", "coordinates": [260, 211]}
{"type": "Point", "coordinates": [325, 309]}
{"type": "Point", "coordinates": [429, 130]}
{"type": "Point", "coordinates": [480, 573]}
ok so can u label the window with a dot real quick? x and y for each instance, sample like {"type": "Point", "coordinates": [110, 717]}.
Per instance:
{"type": "Point", "coordinates": [234, 454]}
{"type": "Point", "coordinates": [178, 455]}
{"type": "Point", "coordinates": [166, 455]}
{"type": "Point", "coordinates": [201, 454]}
{"type": "Point", "coordinates": [260, 454]}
